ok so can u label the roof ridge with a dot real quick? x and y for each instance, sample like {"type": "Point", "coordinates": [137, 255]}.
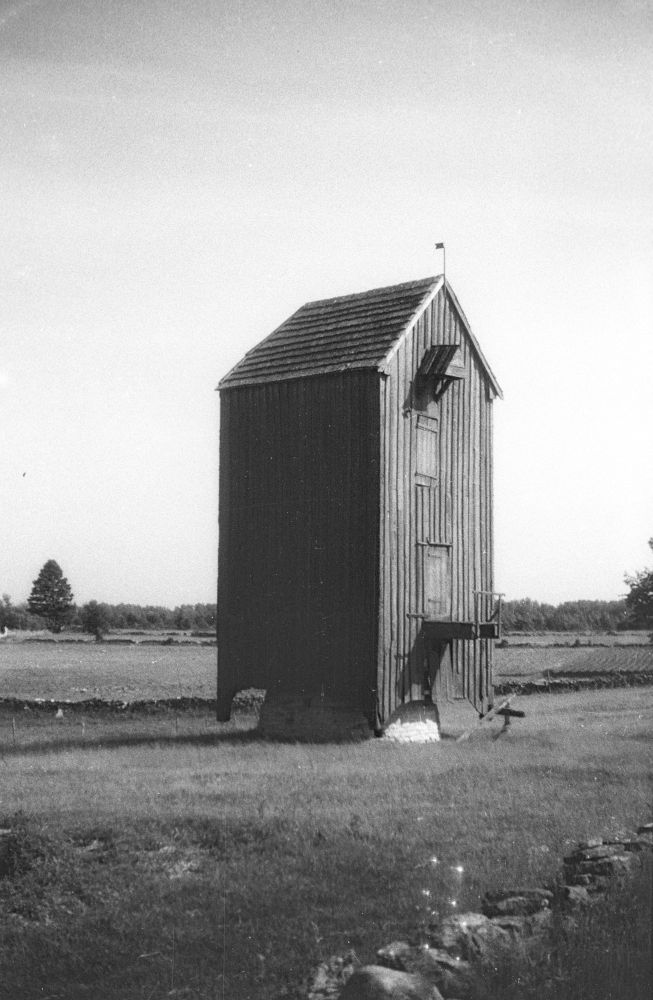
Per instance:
{"type": "Point", "coordinates": [374, 291]}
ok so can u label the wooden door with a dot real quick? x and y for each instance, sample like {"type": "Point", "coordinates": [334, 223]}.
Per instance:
{"type": "Point", "coordinates": [434, 580]}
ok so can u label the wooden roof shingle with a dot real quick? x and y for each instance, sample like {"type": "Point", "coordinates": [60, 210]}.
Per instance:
{"type": "Point", "coordinates": [336, 335]}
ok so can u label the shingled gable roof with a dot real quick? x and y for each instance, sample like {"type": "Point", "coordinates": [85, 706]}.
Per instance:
{"type": "Point", "coordinates": [341, 334]}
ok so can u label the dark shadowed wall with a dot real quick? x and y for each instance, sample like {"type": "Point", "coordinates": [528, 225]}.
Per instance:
{"type": "Point", "coordinates": [299, 529]}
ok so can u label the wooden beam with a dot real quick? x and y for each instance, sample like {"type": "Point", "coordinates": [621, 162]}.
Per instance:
{"type": "Point", "coordinates": [511, 713]}
{"type": "Point", "coordinates": [488, 715]}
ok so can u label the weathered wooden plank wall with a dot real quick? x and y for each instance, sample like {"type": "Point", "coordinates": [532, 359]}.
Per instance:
{"type": "Point", "coordinates": [299, 538]}
{"type": "Point", "coordinates": [463, 517]}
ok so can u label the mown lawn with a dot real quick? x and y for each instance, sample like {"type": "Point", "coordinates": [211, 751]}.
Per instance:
{"type": "Point", "coordinates": [202, 863]}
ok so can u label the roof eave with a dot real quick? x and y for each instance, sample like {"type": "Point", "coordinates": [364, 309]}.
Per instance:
{"type": "Point", "coordinates": [222, 383]}
{"type": "Point", "coordinates": [475, 344]}
{"type": "Point", "coordinates": [247, 382]}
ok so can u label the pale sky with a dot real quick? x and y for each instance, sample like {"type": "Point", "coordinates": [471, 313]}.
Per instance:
{"type": "Point", "coordinates": [178, 176]}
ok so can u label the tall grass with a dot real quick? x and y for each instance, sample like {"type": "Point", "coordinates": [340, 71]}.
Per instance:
{"type": "Point", "coordinates": [220, 866]}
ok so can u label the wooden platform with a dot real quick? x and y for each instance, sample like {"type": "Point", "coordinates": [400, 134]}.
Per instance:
{"type": "Point", "coordinates": [443, 630]}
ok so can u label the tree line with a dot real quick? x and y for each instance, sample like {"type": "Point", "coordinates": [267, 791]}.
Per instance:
{"type": "Point", "coordinates": [51, 605]}
{"type": "Point", "coordinates": [635, 611]}
{"type": "Point", "coordinates": [518, 616]}
{"type": "Point", "coordinates": [194, 617]}
{"type": "Point", "coordinates": [571, 616]}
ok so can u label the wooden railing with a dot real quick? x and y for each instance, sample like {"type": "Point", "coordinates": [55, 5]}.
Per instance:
{"type": "Point", "coordinates": [488, 606]}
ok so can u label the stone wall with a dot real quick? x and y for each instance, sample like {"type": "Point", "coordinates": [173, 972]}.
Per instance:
{"type": "Point", "coordinates": [510, 921]}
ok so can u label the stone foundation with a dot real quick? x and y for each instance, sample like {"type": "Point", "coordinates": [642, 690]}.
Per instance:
{"type": "Point", "coordinates": [312, 720]}
{"type": "Point", "coordinates": [416, 722]}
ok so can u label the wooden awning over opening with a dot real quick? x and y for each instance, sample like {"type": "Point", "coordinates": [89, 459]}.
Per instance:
{"type": "Point", "coordinates": [437, 371]}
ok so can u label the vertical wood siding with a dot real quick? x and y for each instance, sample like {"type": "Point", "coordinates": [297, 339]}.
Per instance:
{"type": "Point", "coordinates": [299, 539]}
{"type": "Point", "coordinates": [462, 519]}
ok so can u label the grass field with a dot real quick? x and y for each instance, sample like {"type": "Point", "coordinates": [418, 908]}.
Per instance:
{"type": "Point", "coordinates": [201, 863]}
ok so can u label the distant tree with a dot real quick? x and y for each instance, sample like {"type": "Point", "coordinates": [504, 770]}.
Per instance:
{"type": "Point", "coordinates": [16, 616]}
{"type": "Point", "coordinates": [205, 615]}
{"type": "Point", "coordinates": [639, 601]}
{"type": "Point", "coordinates": [95, 619]}
{"type": "Point", "coordinates": [51, 597]}
{"type": "Point", "coordinates": [184, 617]}
{"type": "Point", "coordinates": [7, 613]}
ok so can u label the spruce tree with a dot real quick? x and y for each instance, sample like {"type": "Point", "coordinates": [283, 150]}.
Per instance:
{"type": "Point", "coordinates": [51, 597]}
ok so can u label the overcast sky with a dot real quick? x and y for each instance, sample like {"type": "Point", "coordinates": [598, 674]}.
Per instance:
{"type": "Point", "coordinates": [178, 176]}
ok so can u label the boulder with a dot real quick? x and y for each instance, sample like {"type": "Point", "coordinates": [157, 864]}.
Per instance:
{"type": "Point", "coordinates": [516, 927]}
{"type": "Point", "coordinates": [521, 928]}
{"type": "Point", "coordinates": [539, 922]}
{"type": "Point", "coordinates": [470, 936]}
{"type": "Point", "coordinates": [397, 955]}
{"type": "Point", "coordinates": [574, 897]}
{"type": "Point", "coordinates": [616, 864]}
{"type": "Point", "coordinates": [600, 883]}
{"type": "Point", "coordinates": [639, 844]}
{"type": "Point", "coordinates": [329, 977]}
{"type": "Point", "coordinates": [516, 902]}
{"type": "Point", "coordinates": [450, 974]}
{"type": "Point", "coordinates": [376, 982]}
{"type": "Point", "coordinates": [592, 853]}
{"type": "Point", "coordinates": [575, 879]}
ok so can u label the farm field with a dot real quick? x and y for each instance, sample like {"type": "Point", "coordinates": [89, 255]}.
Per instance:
{"type": "Point", "coordinates": [115, 672]}
{"type": "Point", "coordinates": [632, 638]}
{"type": "Point", "coordinates": [204, 863]}
{"type": "Point", "coordinates": [538, 661]}
{"type": "Point", "coordinates": [116, 636]}
{"type": "Point", "coordinates": [112, 672]}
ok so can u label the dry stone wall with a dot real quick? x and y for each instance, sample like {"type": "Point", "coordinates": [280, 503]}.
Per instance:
{"type": "Point", "coordinates": [443, 966]}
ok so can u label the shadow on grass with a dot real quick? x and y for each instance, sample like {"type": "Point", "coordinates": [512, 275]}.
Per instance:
{"type": "Point", "coordinates": [117, 740]}
{"type": "Point", "coordinates": [108, 740]}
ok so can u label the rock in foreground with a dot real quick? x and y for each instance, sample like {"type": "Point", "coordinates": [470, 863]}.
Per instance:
{"type": "Point", "coordinates": [374, 982]}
